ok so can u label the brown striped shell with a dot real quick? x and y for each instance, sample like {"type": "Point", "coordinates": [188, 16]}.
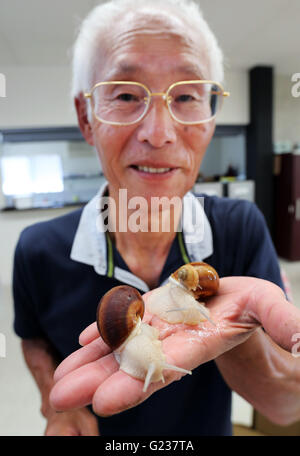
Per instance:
{"type": "Point", "coordinates": [118, 312]}
{"type": "Point", "coordinates": [199, 278]}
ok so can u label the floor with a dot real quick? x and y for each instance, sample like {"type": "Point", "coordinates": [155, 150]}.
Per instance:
{"type": "Point", "coordinates": [239, 431]}
{"type": "Point", "coordinates": [19, 397]}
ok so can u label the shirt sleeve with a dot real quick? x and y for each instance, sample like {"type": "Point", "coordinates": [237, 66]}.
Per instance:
{"type": "Point", "coordinates": [26, 321]}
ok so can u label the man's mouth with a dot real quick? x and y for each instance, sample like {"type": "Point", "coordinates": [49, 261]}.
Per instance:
{"type": "Point", "coordinates": [151, 170]}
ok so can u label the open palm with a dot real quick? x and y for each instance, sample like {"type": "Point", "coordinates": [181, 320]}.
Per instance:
{"type": "Point", "coordinates": [243, 304]}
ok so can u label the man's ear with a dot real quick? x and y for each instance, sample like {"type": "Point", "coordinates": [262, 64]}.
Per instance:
{"type": "Point", "coordinates": [82, 117]}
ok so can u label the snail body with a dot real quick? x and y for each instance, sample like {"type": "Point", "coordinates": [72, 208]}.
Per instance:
{"type": "Point", "coordinates": [178, 301]}
{"type": "Point", "coordinates": [149, 355]}
{"type": "Point", "coordinates": [135, 344]}
{"type": "Point", "coordinates": [174, 305]}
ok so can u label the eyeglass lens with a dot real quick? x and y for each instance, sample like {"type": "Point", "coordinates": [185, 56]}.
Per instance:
{"type": "Point", "coordinates": [126, 103]}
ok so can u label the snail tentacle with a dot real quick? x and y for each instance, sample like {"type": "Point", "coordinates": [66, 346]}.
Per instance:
{"type": "Point", "coordinates": [180, 309]}
{"type": "Point", "coordinates": [177, 283]}
{"type": "Point", "coordinates": [205, 313]}
{"type": "Point", "coordinates": [176, 368]}
{"type": "Point", "coordinates": [150, 372]}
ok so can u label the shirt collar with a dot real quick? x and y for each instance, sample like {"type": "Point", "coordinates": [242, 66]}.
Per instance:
{"type": "Point", "coordinates": [90, 246]}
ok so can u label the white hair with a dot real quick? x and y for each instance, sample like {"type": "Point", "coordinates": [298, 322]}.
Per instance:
{"type": "Point", "coordinates": [97, 25]}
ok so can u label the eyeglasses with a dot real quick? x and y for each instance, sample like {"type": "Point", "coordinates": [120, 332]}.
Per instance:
{"type": "Point", "coordinates": [127, 102]}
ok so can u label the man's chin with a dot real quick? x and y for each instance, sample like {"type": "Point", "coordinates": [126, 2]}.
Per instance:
{"type": "Point", "coordinates": [164, 185]}
{"type": "Point", "coordinates": [153, 193]}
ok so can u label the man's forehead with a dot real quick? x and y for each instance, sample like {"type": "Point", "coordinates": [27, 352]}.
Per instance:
{"type": "Point", "coordinates": [127, 69]}
{"type": "Point", "coordinates": [151, 55]}
{"type": "Point", "coordinates": [141, 40]}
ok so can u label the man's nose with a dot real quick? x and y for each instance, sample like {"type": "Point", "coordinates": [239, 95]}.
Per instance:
{"type": "Point", "coordinates": [158, 127]}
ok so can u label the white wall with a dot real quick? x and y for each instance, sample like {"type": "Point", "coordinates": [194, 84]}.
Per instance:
{"type": "Point", "coordinates": [235, 109]}
{"type": "Point", "coordinates": [36, 97]}
{"type": "Point", "coordinates": [40, 97]}
{"type": "Point", "coordinates": [11, 225]}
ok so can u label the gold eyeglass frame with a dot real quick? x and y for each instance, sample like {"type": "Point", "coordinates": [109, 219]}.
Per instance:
{"type": "Point", "coordinates": [164, 95]}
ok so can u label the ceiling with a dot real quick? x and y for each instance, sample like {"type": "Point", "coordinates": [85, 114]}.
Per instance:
{"type": "Point", "coordinates": [40, 32]}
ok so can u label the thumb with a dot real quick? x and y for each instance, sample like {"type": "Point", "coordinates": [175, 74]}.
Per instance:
{"type": "Point", "coordinates": [279, 318]}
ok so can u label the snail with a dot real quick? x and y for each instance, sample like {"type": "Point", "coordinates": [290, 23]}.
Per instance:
{"type": "Point", "coordinates": [178, 301]}
{"type": "Point", "coordinates": [199, 278]}
{"type": "Point", "coordinates": [135, 344]}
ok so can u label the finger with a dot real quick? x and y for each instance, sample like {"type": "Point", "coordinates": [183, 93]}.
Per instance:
{"type": "Point", "coordinates": [89, 334]}
{"type": "Point", "coordinates": [76, 389]}
{"type": "Point", "coordinates": [247, 302]}
{"type": "Point", "coordinates": [84, 355]}
{"type": "Point", "coordinates": [121, 391]}
{"type": "Point", "coordinates": [279, 318]}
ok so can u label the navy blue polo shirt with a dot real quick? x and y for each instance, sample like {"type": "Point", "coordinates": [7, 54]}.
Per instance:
{"type": "Point", "coordinates": [56, 296]}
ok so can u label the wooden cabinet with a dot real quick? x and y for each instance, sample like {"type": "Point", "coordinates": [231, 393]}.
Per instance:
{"type": "Point", "coordinates": [287, 206]}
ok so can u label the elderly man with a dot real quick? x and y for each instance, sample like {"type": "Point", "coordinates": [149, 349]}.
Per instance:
{"type": "Point", "coordinates": [147, 89]}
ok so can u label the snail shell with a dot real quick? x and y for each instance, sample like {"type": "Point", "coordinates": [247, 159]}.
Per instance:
{"type": "Point", "coordinates": [135, 344]}
{"type": "Point", "coordinates": [199, 278]}
{"type": "Point", "coordinates": [118, 313]}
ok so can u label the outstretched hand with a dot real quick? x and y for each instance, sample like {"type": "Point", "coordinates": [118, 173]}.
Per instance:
{"type": "Point", "coordinates": [91, 375]}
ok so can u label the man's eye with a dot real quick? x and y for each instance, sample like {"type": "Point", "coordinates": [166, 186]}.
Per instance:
{"type": "Point", "coordinates": [184, 98]}
{"type": "Point", "coordinates": [127, 97]}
